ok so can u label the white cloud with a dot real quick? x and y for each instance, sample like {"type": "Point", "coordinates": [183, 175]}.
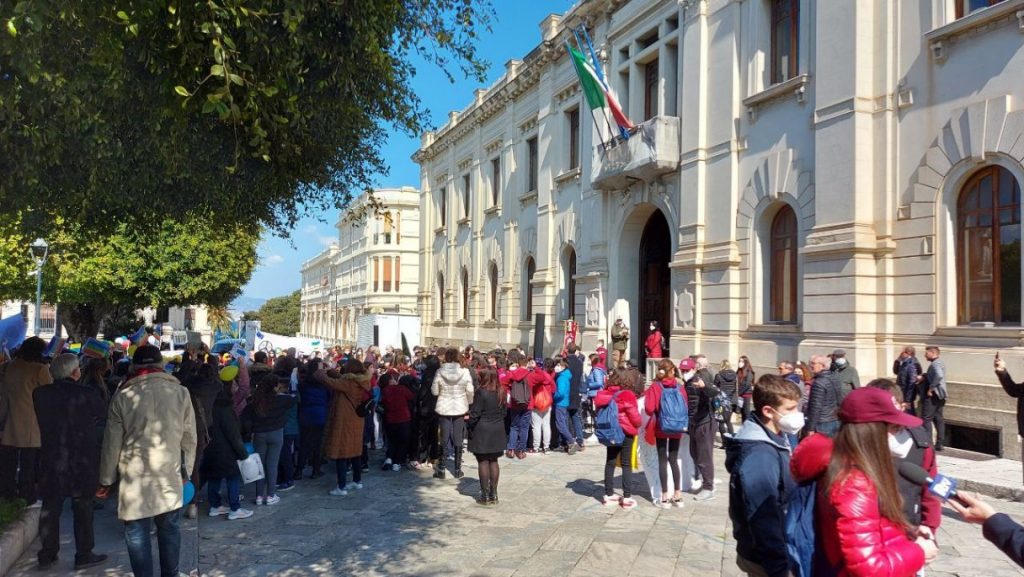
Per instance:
{"type": "Point", "coordinates": [312, 231]}
{"type": "Point", "coordinates": [273, 259]}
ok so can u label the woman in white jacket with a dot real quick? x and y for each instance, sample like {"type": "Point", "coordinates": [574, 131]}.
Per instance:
{"type": "Point", "coordinates": [453, 387]}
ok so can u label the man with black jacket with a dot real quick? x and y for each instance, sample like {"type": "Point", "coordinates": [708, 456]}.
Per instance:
{"type": "Point", "coordinates": [907, 368]}
{"type": "Point", "coordinates": [699, 395]}
{"type": "Point", "coordinates": [575, 362]}
{"type": "Point", "coordinates": [823, 402]}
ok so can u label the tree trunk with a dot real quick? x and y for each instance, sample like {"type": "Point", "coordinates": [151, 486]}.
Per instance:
{"type": "Point", "coordinates": [81, 321]}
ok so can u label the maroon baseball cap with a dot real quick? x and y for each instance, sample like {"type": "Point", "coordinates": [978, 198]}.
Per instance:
{"type": "Point", "coordinates": [687, 364]}
{"type": "Point", "coordinates": [871, 405]}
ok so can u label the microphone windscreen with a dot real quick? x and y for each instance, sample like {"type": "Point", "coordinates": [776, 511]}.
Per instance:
{"type": "Point", "coordinates": [914, 473]}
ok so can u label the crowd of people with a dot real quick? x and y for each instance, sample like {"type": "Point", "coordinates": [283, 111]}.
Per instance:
{"type": "Point", "coordinates": [810, 437]}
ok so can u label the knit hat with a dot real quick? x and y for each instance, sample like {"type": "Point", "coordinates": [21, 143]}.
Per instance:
{"type": "Point", "coordinates": [147, 355]}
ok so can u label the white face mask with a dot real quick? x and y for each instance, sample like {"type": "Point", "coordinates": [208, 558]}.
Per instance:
{"type": "Point", "coordinates": [840, 362]}
{"type": "Point", "coordinates": [900, 444]}
{"type": "Point", "coordinates": [688, 375]}
{"type": "Point", "coordinates": [559, 368]}
{"type": "Point", "coordinates": [740, 364]}
{"type": "Point", "coordinates": [791, 423]}
{"type": "Point", "coordinates": [652, 327]}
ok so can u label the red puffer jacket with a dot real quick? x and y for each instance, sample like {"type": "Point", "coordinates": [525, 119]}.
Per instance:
{"type": "Point", "coordinates": [629, 416]}
{"type": "Point", "coordinates": [857, 538]}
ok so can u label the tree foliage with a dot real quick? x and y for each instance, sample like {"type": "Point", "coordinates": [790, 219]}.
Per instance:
{"type": "Point", "coordinates": [139, 110]}
{"type": "Point", "coordinates": [98, 277]}
{"type": "Point", "coordinates": [280, 315]}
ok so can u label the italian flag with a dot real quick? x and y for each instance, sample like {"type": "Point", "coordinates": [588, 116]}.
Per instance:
{"type": "Point", "coordinates": [596, 91]}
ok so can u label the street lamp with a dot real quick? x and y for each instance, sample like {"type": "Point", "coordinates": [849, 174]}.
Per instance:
{"type": "Point", "coordinates": [39, 250]}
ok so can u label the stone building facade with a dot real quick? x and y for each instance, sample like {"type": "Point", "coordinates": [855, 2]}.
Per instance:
{"type": "Point", "coordinates": [372, 270]}
{"type": "Point", "coordinates": [806, 175]}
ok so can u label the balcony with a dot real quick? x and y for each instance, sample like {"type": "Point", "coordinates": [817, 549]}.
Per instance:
{"type": "Point", "coordinates": [651, 151]}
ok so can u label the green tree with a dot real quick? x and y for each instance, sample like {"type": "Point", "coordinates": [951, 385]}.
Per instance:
{"type": "Point", "coordinates": [139, 110]}
{"type": "Point", "coordinates": [104, 278]}
{"type": "Point", "coordinates": [280, 315]}
{"type": "Point", "coordinates": [251, 316]}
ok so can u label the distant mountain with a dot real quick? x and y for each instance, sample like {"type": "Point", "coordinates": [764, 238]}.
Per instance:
{"type": "Point", "coordinates": [244, 303]}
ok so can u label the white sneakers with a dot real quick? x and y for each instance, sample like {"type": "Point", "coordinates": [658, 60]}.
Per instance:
{"type": "Point", "coordinates": [336, 492]}
{"type": "Point", "coordinates": [272, 500]}
{"type": "Point", "coordinates": [239, 514]}
{"type": "Point", "coordinates": [704, 495]}
{"type": "Point", "coordinates": [232, 515]}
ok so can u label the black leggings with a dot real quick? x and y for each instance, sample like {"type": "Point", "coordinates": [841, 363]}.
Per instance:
{"type": "Point", "coordinates": [626, 454]}
{"type": "Point", "coordinates": [668, 457]}
{"type": "Point", "coordinates": [488, 471]}
{"type": "Point", "coordinates": [725, 425]}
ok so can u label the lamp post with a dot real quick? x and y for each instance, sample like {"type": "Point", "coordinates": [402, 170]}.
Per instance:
{"type": "Point", "coordinates": [39, 250]}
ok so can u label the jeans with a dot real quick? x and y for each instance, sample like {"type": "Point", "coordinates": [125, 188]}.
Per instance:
{"type": "Point", "coordinates": [341, 468]}
{"type": "Point", "coordinates": [541, 425]}
{"type": "Point", "coordinates": [168, 538]}
{"type": "Point", "coordinates": [829, 428]}
{"type": "Point", "coordinates": [577, 425]}
{"type": "Point", "coordinates": [453, 431]}
{"type": "Point", "coordinates": [49, 527]}
{"type": "Point", "coordinates": [625, 453]}
{"type": "Point", "coordinates": [702, 448]}
{"type": "Point", "coordinates": [562, 424]}
{"type": "Point", "coordinates": [268, 445]}
{"type": "Point", "coordinates": [398, 441]}
{"type": "Point", "coordinates": [520, 429]}
{"type": "Point", "coordinates": [286, 464]}
{"type": "Point", "coordinates": [234, 490]}
{"type": "Point", "coordinates": [18, 472]}
{"type": "Point", "coordinates": [311, 438]}
{"type": "Point", "coordinates": [931, 411]}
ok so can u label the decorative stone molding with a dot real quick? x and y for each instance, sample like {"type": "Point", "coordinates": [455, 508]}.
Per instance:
{"type": "Point", "coordinates": [796, 87]}
{"type": "Point", "coordinates": [974, 134]}
{"type": "Point", "coordinates": [465, 163]}
{"type": "Point", "coordinates": [778, 175]}
{"type": "Point", "coordinates": [528, 125]}
{"type": "Point", "coordinates": [493, 146]}
{"type": "Point", "coordinates": [567, 92]}
{"type": "Point", "coordinates": [941, 40]}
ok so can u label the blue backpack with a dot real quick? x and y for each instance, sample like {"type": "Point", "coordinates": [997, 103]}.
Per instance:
{"type": "Point", "coordinates": [806, 552]}
{"type": "Point", "coordinates": [673, 415]}
{"type": "Point", "coordinates": [607, 428]}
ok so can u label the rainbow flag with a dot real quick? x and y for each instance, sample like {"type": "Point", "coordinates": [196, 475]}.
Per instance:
{"type": "Point", "coordinates": [96, 349]}
{"type": "Point", "coordinates": [54, 347]}
{"type": "Point", "coordinates": [139, 337]}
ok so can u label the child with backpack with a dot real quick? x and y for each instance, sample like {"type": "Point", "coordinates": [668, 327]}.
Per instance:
{"type": "Point", "coordinates": [666, 403]}
{"type": "Point", "coordinates": [618, 421]}
{"type": "Point", "coordinates": [543, 388]}
{"type": "Point", "coordinates": [519, 399]}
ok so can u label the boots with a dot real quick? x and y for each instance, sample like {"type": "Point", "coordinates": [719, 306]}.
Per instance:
{"type": "Point", "coordinates": [493, 500]}
{"type": "Point", "coordinates": [458, 474]}
{"type": "Point", "coordinates": [439, 470]}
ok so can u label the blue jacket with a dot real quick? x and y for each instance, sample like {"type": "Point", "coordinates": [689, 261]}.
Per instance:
{"type": "Point", "coordinates": [563, 386]}
{"type": "Point", "coordinates": [760, 487]}
{"type": "Point", "coordinates": [595, 381]}
{"type": "Point", "coordinates": [313, 401]}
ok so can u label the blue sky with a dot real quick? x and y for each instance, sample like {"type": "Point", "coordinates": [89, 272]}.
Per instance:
{"type": "Point", "coordinates": [515, 32]}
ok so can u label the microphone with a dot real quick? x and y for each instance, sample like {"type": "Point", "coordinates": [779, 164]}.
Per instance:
{"type": "Point", "coordinates": [941, 486]}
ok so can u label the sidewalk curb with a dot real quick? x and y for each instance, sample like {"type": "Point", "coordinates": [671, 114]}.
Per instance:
{"type": "Point", "coordinates": [989, 490]}
{"type": "Point", "coordinates": [17, 538]}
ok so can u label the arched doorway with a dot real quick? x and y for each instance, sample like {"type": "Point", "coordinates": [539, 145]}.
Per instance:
{"type": "Point", "coordinates": [655, 280]}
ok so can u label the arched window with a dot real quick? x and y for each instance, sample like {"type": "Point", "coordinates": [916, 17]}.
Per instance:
{"type": "Point", "coordinates": [440, 296]}
{"type": "Point", "coordinates": [465, 294]}
{"type": "Point", "coordinates": [492, 277]}
{"type": "Point", "coordinates": [529, 267]}
{"type": "Point", "coordinates": [569, 283]}
{"type": "Point", "coordinates": [988, 248]}
{"type": "Point", "coordinates": [783, 266]}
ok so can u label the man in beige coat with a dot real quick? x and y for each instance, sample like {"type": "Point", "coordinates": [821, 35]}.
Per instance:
{"type": "Point", "coordinates": [150, 438]}
{"type": "Point", "coordinates": [19, 440]}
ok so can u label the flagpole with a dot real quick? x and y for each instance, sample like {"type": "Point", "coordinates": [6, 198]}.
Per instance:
{"type": "Point", "coordinates": [597, 68]}
{"type": "Point", "coordinates": [611, 127]}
